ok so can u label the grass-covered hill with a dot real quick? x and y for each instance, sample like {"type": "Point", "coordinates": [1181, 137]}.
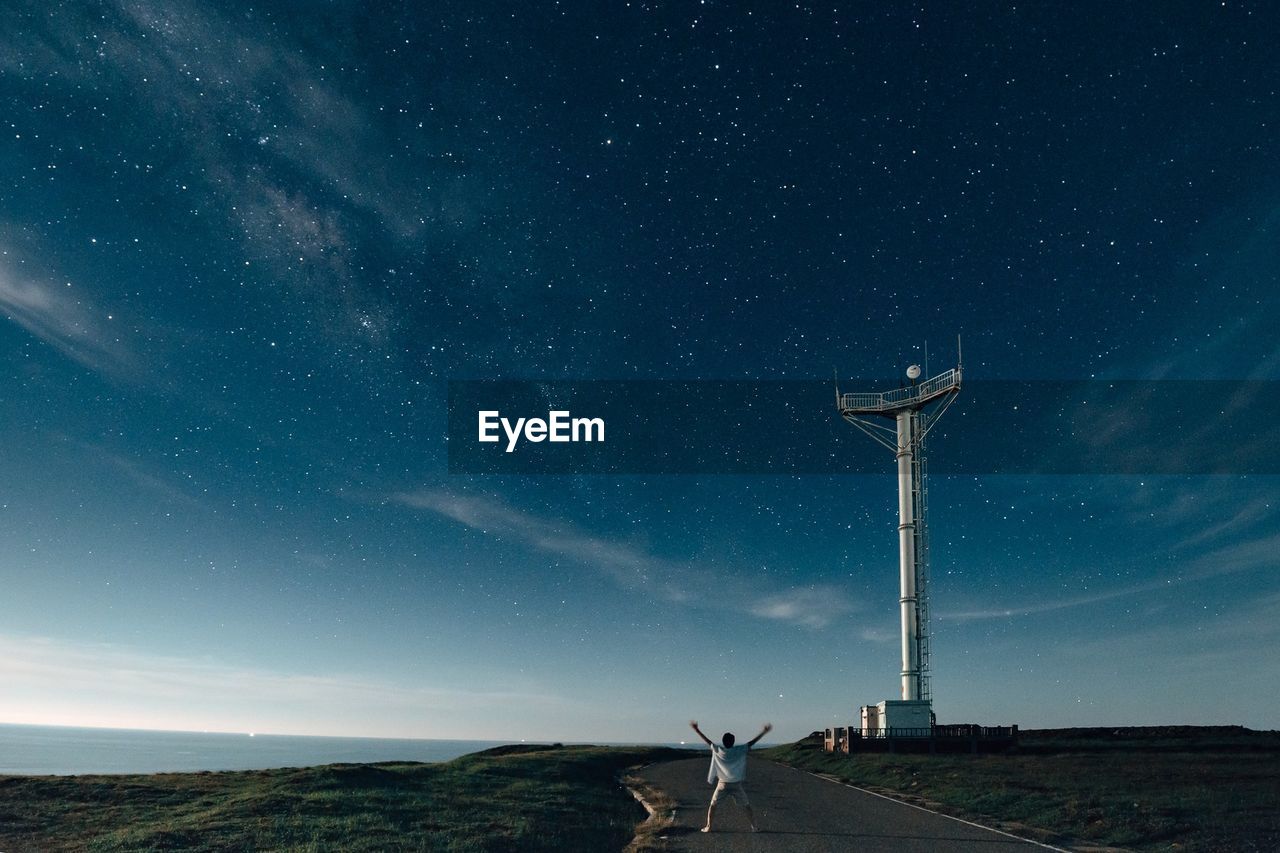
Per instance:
{"type": "Point", "coordinates": [1169, 788]}
{"type": "Point", "coordinates": [516, 798]}
{"type": "Point", "coordinates": [1182, 788]}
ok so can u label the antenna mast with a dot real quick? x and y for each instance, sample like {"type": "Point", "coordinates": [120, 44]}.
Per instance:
{"type": "Point", "coordinates": [914, 409]}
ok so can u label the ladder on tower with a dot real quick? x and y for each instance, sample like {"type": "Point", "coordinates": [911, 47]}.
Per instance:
{"type": "Point", "coordinates": [920, 501]}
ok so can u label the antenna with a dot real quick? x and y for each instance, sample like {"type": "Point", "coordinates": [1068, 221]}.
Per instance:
{"type": "Point", "coordinates": [913, 409]}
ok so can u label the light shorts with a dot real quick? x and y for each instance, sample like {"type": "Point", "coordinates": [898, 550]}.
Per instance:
{"type": "Point", "coordinates": [730, 789]}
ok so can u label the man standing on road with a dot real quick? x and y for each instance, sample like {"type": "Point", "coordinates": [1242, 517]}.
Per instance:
{"type": "Point", "coordinates": [729, 771]}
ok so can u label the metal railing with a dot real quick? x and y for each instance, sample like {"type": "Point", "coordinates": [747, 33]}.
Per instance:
{"type": "Point", "coordinates": [840, 736]}
{"type": "Point", "coordinates": [970, 730]}
{"type": "Point", "coordinates": [895, 731]}
{"type": "Point", "coordinates": [885, 400]}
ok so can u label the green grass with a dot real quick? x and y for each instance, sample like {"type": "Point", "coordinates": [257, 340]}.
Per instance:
{"type": "Point", "coordinates": [524, 798]}
{"type": "Point", "coordinates": [1090, 788]}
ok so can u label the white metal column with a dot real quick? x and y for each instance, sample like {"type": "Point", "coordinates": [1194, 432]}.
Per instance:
{"type": "Point", "coordinates": [907, 555]}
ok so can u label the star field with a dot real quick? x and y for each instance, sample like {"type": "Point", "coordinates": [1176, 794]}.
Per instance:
{"type": "Point", "coordinates": [243, 248]}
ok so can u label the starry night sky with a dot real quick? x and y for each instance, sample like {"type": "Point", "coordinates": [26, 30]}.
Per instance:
{"type": "Point", "coordinates": [244, 247]}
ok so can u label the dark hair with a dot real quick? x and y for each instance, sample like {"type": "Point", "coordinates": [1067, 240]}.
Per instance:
{"type": "Point", "coordinates": [728, 739]}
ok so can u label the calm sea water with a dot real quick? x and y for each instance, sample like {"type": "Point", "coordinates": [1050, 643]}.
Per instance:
{"type": "Point", "coordinates": [64, 750]}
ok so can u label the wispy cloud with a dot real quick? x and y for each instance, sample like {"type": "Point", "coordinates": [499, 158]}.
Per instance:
{"type": "Point", "coordinates": [813, 606]}
{"type": "Point", "coordinates": [137, 472]}
{"type": "Point", "coordinates": [1184, 514]}
{"type": "Point", "coordinates": [1247, 515]}
{"type": "Point", "coordinates": [874, 634]}
{"type": "Point", "coordinates": [1162, 428]}
{"type": "Point", "coordinates": [1217, 640]}
{"type": "Point", "coordinates": [1238, 252]}
{"type": "Point", "coordinates": [256, 127]}
{"type": "Point", "coordinates": [810, 606]}
{"type": "Point", "coordinates": [1244, 556]}
{"type": "Point", "coordinates": [1031, 609]}
{"type": "Point", "coordinates": [1231, 559]}
{"type": "Point", "coordinates": [62, 317]}
{"type": "Point", "coordinates": [54, 681]}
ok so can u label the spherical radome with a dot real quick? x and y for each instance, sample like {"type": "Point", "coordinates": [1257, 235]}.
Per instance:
{"type": "Point", "coordinates": [913, 372]}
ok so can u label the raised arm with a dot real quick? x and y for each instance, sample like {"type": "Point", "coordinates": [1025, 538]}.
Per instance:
{"type": "Point", "coordinates": [693, 724]}
{"type": "Point", "coordinates": [768, 727]}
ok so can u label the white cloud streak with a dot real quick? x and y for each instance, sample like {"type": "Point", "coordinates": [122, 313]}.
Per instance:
{"type": "Point", "coordinates": [59, 682]}
{"type": "Point", "coordinates": [1246, 515]}
{"type": "Point", "coordinates": [155, 484]}
{"type": "Point", "coordinates": [1049, 606]}
{"type": "Point", "coordinates": [814, 606]}
{"type": "Point", "coordinates": [63, 318]}
{"type": "Point", "coordinates": [1228, 560]}
{"type": "Point", "coordinates": [1217, 640]}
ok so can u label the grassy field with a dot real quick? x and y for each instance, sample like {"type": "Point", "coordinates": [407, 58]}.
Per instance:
{"type": "Point", "coordinates": [1175, 788]}
{"type": "Point", "coordinates": [520, 798]}
{"type": "Point", "coordinates": [1143, 789]}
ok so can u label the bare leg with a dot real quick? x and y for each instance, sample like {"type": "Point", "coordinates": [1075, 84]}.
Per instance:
{"type": "Point", "coordinates": [711, 810]}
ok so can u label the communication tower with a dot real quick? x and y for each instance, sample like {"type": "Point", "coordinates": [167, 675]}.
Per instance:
{"type": "Point", "coordinates": [913, 409]}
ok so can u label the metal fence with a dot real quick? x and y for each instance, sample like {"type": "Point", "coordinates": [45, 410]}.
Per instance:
{"type": "Point", "coordinates": [850, 739]}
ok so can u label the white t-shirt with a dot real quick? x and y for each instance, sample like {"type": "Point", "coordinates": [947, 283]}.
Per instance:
{"type": "Point", "coordinates": [728, 764]}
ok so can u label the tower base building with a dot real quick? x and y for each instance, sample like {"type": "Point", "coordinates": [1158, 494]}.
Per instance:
{"type": "Point", "coordinates": [897, 718]}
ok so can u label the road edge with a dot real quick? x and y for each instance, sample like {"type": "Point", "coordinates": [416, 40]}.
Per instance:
{"type": "Point", "coordinates": [656, 802]}
{"type": "Point", "coordinates": [836, 781]}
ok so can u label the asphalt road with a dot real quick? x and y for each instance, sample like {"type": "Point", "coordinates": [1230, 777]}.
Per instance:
{"type": "Point", "coordinates": [800, 813]}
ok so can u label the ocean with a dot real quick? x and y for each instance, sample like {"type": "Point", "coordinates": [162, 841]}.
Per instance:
{"type": "Point", "coordinates": [64, 750]}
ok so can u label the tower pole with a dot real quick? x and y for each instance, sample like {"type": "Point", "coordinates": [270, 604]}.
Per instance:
{"type": "Point", "coordinates": [907, 601]}
{"type": "Point", "coordinates": [908, 408]}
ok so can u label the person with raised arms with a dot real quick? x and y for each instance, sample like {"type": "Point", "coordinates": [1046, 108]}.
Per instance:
{"type": "Point", "coordinates": [729, 771]}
